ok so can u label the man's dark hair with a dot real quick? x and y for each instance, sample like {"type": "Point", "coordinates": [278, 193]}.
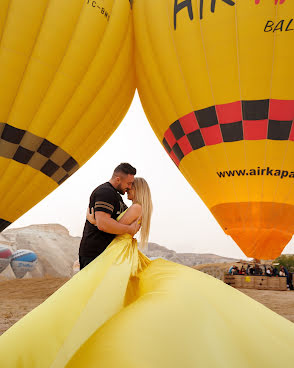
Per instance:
{"type": "Point", "coordinates": [124, 168]}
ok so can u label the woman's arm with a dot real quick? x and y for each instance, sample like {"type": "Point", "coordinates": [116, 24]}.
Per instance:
{"type": "Point", "coordinates": [105, 223]}
{"type": "Point", "coordinates": [132, 214]}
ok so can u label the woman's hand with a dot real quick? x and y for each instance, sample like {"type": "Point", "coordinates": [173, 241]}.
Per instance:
{"type": "Point", "coordinates": [91, 216]}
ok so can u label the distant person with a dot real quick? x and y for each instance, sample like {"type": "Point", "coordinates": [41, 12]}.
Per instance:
{"type": "Point", "coordinates": [108, 205]}
{"type": "Point", "coordinates": [236, 271]}
{"type": "Point", "coordinates": [282, 272]}
{"type": "Point", "coordinates": [251, 270]}
{"type": "Point", "coordinates": [257, 270]}
{"type": "Point", "coordinates": [231, 269]}
{"type": "Point", "coordinates": [242, 271]}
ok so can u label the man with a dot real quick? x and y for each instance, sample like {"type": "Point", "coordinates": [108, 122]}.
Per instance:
{"type": "Point", "coordinates": [108, 205]}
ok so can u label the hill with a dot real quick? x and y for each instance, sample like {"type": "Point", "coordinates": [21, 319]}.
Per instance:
{"type": "Point", "coordinates": [57, 250]}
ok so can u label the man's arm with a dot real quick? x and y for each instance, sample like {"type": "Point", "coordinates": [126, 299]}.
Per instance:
{"type": "Point", "coordinates": [132, 214]}
{"type": "Point", "coordinates": [107, 224]}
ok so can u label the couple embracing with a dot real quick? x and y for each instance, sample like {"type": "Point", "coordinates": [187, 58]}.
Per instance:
{"type": "Point", "coordinates": [109, 216]}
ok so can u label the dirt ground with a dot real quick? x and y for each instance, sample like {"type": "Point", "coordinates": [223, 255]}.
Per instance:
{"type": "Point", "coordinates": [18, 297]}
{"type": "Point", "coordinates": [281, 302]}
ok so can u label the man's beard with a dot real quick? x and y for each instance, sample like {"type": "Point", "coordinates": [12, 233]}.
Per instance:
{"type": "Point", "coordinates": [120, 190]}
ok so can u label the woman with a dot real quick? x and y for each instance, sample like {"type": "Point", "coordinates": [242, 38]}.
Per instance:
{"type": "Point", "coordinates": [126, 311]}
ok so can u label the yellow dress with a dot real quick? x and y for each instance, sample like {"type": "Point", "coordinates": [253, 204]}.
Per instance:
{"type": "Point", "coordinates": [126, 311]}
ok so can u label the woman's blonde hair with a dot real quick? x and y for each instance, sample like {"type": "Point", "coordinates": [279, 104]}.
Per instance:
{"type": "Point", "coordinates": [143, 197]}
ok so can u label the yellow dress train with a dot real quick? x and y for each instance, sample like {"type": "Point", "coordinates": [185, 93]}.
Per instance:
{"type": "Point", "coordinates": [126, 311]}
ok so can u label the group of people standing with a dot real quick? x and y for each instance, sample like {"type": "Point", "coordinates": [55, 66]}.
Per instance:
{"type": "Point", "coordinates": [257, 270]}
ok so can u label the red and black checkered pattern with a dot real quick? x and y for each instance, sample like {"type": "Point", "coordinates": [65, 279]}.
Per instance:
{"type": "Point", "coordinates": [232, 122]}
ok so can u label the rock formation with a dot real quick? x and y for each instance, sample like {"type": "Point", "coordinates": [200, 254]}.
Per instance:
{"type": "Point", "coordinates": [57, 250]}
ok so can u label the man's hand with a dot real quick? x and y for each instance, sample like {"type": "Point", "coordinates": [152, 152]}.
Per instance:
{"type": "Point", "coordinates": [105, 223]}
{"type": "Point", "coordinates": [91, 216]}
{"type": "Point", "coordinates": [135, 227]}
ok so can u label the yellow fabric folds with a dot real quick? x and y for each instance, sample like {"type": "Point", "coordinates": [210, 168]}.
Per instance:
{"type": "Point", "coordinates": [124, 310]}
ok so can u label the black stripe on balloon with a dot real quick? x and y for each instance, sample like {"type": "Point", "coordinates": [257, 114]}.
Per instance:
{"type": "Point", "coordinates": [177, 130]}
{"type": "Point", "coordinates": [178, 152]}
{"type": "Point", "coordinates": [4, 224]}
{"type": "Point", "coordinates": [232, 132]}
{"type": "Point", "coordinates": [12, 134]}
{"type": "Point", "coordinates": [279, 130]}
{"type": "Point", "coordinates": [232, 122]}
{"type": "Point", "coordinates": [206, 117]}
{"type": "Point", "coordinates": [196, 140]}
{"type": "Point", "coordinates": [39, 153]}
{"type": "Point", "coordinates": [47, 148]}
{"type": "Point", "coordinates": [255, 110]}
{"type": "Point", "coordinates": [166, 145]}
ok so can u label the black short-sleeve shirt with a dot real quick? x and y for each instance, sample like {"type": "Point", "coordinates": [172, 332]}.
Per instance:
{"type": "Point", "coordinates": [104, 198]}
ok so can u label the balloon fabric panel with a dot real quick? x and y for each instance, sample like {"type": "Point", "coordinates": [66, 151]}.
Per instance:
{"type": "Point", "coordinates": [215, 79]}
{"type": "Point", "coordinates": [66, 82]}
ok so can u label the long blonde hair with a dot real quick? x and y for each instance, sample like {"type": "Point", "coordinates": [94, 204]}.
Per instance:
{"type": "Point", "coordinates": [143, 197]}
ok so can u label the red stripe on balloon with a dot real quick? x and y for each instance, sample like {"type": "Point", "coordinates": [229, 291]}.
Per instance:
{"type": "Point", "coordinates": [174, 158]}
{"type": "Point", "coordinates": [276, 2]}
{"type": "Point", "coordinates": [189, 123]}
{"type": "Point", "coordinates": [171, 140]}
{"type": "Point", "coordinates": [5, 253]}
{"type": "Point", "coordinates": [212, 135]}
{"type": "Point", "coordinates": [291, 137]}
{"type": "Point", "coordinates": [185, 145]}
{"type": "Point", "coordinates": [281, 110]}
{"type": "Point", "coordinates": [229, 113]}
{"type": "Point", "coordinates": [255, 129]}
{"type": "Point", "coordinates": [230, 125]}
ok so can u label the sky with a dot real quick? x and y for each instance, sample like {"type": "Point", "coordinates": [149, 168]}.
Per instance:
{"type": "Point", "coordinates": [180, 219]}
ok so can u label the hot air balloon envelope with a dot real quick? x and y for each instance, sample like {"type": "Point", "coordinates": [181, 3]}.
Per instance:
{"type": "Point", "coordinates": [23, 261]}
{"type": "Point", "coordinates": [216, 81]}
{"type": "Point", "coordinates": [67, 80]}
{"type": "Point", "coordinates": [5, 257]}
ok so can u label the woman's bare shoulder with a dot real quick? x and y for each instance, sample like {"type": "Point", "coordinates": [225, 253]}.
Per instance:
{"type": "Point", "coordinates": [131, 214]}
{"type": "Point", "coordinates": [136, 208]}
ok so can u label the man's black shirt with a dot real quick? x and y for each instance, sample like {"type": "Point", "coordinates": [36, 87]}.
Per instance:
{"type": "Point", "coordinates": [104, 198]}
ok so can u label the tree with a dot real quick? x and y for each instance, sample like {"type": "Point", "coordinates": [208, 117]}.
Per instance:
{"type": "Point", "coordinates": [286, 260]}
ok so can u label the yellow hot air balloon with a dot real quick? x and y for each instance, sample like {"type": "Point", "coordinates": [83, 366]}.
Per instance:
{"type": "Point", "coordinates": [66, 82]}
{"type": "Point", "coordinates": [216, 81]}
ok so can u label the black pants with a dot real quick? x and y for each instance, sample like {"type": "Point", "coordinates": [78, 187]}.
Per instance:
{"type": "Point", "coordinates": [84, 261]}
